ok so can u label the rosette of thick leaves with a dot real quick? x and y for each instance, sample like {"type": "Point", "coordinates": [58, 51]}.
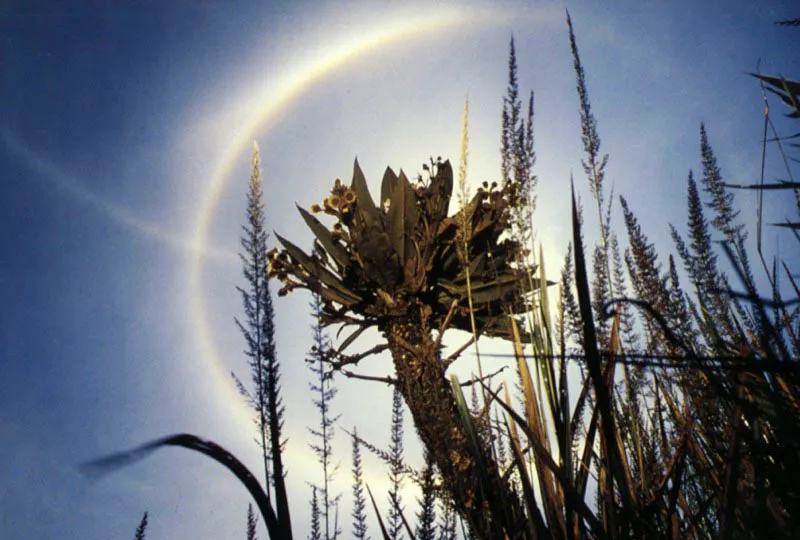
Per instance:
{"type": "Point", "coordinates": [378, 261]}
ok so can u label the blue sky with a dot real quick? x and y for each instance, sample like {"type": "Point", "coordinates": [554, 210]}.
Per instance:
{"type": "Point", "coordinates": [118, 268]}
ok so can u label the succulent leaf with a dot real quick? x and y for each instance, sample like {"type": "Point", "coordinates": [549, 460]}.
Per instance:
{"type": "Point", "coordinates": [365, 204]}
{"type": "Point", "coordinates": [387, 186]}
{"type": "Point", "coordinates": [402, 217]}
{"type": "Point", "coordinates": [351, 338]}
{"type": "Point", "coordinates": [332, 247]}
{"type": "Point", "coordinates": [316, 270]}
{"type": "Point", "coordinates": [440, 191]}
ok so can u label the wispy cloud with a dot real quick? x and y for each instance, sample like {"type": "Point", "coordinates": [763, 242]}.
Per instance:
{"type": "Point", "coordinates": [46, 170]}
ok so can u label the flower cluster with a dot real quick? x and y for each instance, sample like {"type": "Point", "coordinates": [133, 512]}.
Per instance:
{"type": "Point", "coordinates": [339, 204]}
{"type": "Point", "coordinates": [280, 265]}
{"type": "Point", "coordinates": [496, 202]}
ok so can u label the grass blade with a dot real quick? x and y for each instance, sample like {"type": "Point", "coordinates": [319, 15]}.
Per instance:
{"type": "Point", "coordinates": [106, 465]}
{"type": "Point", "coordinates": [378, 515]}
{"type": "Point", "coordinates": [543, 453]}
{"type": "Point", "coordinates": [593, 363]}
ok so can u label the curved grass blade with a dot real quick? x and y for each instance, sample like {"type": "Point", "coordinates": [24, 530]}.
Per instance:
{"type": "Point", "coordinates": [103, 466]}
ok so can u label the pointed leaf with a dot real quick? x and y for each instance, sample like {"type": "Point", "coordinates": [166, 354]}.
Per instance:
{"type": "Point", "coordinates": [502, 288]}
{"type": "Point", "coordinates": [334, 249]}
{"type": "Point", "coordinates": [780, 83]}
{"type": "Point", "coordinates": [364, 200]}
{"type": "Point", "coordinates": [788, 225]}
{"type": "Point", "coordinates": [411, 215]}
{"type": "Point", "coordinates": [548, 461]}
{"type": "Point", "coordinates": [440, 190]}
{"type": "Point", "coordinates": [550, 499]}
{"type": "Point", "coordinates": [332, 295]}
{"type": "Point", "coordinates": [602, 393]}
{"type": "Point", "coordinates": [476, 267]}
{"type": "Point", "coordinates": [387, 186]}
{"type": "Point", "coordinates": [378, 514]}
{"type": "Point", "coordinates": [351, 338]}
{"type": "Point", "coordinates": [402, 207]}
{"type": "Point", "coordinates": [499, 510]}
{"type": "Point", "coordinates": [535, 519]}
{"type": "Point", "coordinates": [317, 270]}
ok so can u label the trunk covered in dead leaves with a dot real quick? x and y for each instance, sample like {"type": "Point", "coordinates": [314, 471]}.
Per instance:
{"type": "Point", "coordinates": [426, 390]}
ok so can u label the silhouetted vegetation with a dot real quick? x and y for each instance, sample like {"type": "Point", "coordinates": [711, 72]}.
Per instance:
{"type": "Point", "coordinates": [359, 502]}
{"type": "Point", "coordinates": [259, 333]}
{"type": "Point", "coordinates": [141, 530]}
{"type": "Point", "coordinates": [251, 523]}
{"type": "Point", "coordinates": [645, 410]}
{"type": "Point", "coordinates": [323, 393]}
